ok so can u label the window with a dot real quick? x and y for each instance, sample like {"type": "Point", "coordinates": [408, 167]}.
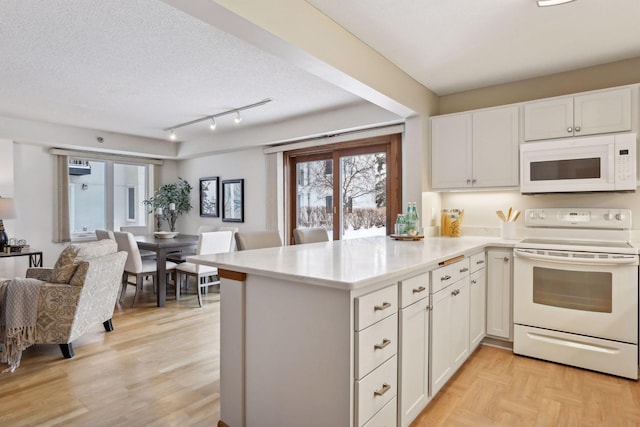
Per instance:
{"type": "Point", "coordinates": [105, 194]}
{"type": "Point", "coordinates": [364, 176]}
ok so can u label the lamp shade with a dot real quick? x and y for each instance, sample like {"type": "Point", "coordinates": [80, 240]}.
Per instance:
{"type": "Point", "coordinates": [7, 208]}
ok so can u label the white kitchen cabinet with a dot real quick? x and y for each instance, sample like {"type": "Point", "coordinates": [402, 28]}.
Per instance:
{"type": "Point", "coordinates": [414, 357]}
{"type": "Point", "coordinates": [499, 291]}
{"type": "Point", "coordinates": [477, 300]}
{"type": "Point", "coordinates": [590, 113]}
{"type": "Point", "coordinates": [476, 149]}
{"type": "Point", "coordinates": [449, 326]}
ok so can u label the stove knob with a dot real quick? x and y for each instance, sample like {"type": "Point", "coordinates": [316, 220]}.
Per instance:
{"type": "Point", "coordinates": [608, 216]}
{"type": "Point", "coordinates": [533, 215]}
{"type": "Point", "coordinates": [541, 215]}
{"type": "Point", "coordinates": [620, 216]}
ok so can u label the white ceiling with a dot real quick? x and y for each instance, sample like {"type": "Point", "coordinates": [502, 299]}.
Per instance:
{"type": "Point", "coordinates": [455, 45]}
{"type": "Point", "coordinates": [138, 66]}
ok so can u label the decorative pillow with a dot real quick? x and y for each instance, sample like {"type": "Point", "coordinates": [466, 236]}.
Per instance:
{"type": "Point", "coordinates": [80, 275]}
{"type": "Point", "coordinates": [75, 253]}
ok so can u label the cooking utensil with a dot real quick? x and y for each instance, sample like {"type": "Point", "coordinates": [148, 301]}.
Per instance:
{"type": "Point", "coordinates": [516, 214]}
{"type": "Point", "coordinates": [509, 214]}
{"type": "Point", "coordinates": [501, 216]}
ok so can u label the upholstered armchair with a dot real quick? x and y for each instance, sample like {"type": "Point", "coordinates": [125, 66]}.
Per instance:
{"type": "Point", "coordinates": [78, 293]}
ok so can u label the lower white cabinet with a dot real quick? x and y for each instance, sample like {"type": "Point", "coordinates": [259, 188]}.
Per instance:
{"type": "Point", "coordinates": [499, 291]}
{"type": "Point", "coordinates": [449, 327]}
{"type": "Point", "coordinates": [477, 305]}
{"type": "Point", "coordinates": [414, 354]}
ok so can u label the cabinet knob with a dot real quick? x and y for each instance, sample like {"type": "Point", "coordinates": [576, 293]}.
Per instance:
{"type": "Point", "coordinates": [468, 181]}
{"type": "Point", "coordinates": [506, 259]}
{"type": "Point", "coordinates": [473, 282]}
{"type": "Point", "coordinates": [577, 128]}
{"type": "Point", "coordinates": [429, 307]}
{"type": "Point", "coordinates": [473, 181]}
{"type": "Point", "coordinates": [569, 129]}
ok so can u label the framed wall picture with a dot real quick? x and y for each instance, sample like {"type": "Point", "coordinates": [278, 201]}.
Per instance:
{"type": "Point", "coordinates": [209, 196]}
{"type": "Point", "coordinates": [233, 200]}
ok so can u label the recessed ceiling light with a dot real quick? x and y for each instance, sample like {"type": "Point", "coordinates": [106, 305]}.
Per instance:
{"type": "Point", "coordinates": [544, 3]}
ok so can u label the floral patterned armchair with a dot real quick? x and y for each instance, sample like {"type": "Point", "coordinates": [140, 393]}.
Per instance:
{"type": "Point", "coordinates": [79, 292]}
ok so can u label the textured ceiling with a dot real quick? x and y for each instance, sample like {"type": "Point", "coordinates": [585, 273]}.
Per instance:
{"type": "Point", "coordinates": [455, 45]}
{"type": "Point", "coordinates": [138, 66]}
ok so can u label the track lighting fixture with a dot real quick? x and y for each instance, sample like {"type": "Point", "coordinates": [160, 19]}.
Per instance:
{"type": "Point", "coordinates": [213, 124]}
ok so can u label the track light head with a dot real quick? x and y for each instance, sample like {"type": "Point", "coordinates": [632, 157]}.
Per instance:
{"type": "Point", "coordinates": [172, 135]}
{"type": "Point", "coordinates": [213, 124]}
{"type": "Point", "coordinates": [238, 118]}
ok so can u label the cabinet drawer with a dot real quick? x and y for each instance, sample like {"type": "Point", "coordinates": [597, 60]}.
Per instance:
{"type": "Point", "coordinates": [375, 390]}
{"type": "Point", "coordinates": [477, 262]}
{"type": "Point", "coordinates": [444, 276]}
{"type": "Point", "coordinates": [376, 344]}
{"type": "Point", "coordinates": [375, 306]}
{"type": "Point", "coordinates": [386, 417]}
{"type": "Point", "coordinates": [414, 289]}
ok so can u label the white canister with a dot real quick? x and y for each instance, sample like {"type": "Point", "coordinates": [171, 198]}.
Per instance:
{"type": "Point", "coordinates": [508, 230]}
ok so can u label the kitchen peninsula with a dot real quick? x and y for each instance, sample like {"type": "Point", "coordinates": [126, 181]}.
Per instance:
{"type": "Point", "coordinates": [300, 326]}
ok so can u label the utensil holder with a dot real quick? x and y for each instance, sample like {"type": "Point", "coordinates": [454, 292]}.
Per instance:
{"type": "Point", "coordinates": [508, 230]}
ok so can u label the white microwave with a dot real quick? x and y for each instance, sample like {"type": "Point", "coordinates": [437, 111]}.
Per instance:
{"type": "Point", "coordinates": [599, 163]}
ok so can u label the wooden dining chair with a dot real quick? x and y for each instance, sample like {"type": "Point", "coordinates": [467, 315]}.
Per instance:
{"type": "Point", "coordinates": [214, 242]}
{"type": "Point", "coordinates": [136, 265]}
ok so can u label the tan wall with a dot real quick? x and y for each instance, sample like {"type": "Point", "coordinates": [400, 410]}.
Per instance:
{"type": "Point", "coordinates": [598, 77]}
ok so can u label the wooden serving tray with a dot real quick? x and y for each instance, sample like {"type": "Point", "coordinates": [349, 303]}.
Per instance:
{"type": "Point", "coordinates": [406, 237]}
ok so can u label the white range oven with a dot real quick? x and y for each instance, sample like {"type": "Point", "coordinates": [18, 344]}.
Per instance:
{"type": "Point", "coordinates": [576, 290]}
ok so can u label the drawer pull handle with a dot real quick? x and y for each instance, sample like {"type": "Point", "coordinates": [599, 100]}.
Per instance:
{"type": "Point", "coordinates": [465, 269]}
{"type": "Point", "coordinates": [385, 342]}
{"type": "Point", "coordinates": [418, 290]}
{"type": "Point", "coordinates": [480, 261]}
{"type": "Point", "coordinates": [385, 388]}
{"type": "Point", "coordinates": [455, 292]}
{"type": "Point", "coordinates": [447, 277]}
{"type": "Point", "coordinates": [384, 306]}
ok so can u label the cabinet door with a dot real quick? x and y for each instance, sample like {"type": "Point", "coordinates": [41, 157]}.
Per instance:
{"type": "Point", "coordinates": [477, 307]}
{"type": "Point", "coordinates": [441, 368]}
{"type": "Point", "coordinates": [495, 148]}
{"type": "Point", "coordinates": [499, 290]}
{"type": "Point", "coordinates": [414, 360]}
{"type": "Point", "coordinates": [451, 151]}
{"type": "Point", "coordinates": [459, 321]}
{"type": "Point", "coordinates": [602, 112]}
{"type": "Point", "coordinates": [548, 119]}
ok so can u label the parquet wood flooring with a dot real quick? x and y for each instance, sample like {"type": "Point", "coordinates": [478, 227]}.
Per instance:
{"type": "Point", "coordinates": [497, 388]}
{"type": "Point", "coordinates": [159, 367]}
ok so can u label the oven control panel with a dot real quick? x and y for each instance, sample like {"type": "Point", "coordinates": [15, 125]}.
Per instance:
{"type": "Point", "coordinates": [619, 219]}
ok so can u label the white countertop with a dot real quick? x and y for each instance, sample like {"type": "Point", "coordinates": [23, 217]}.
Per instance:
{"type": "Point", "coordinates": [350, 264]}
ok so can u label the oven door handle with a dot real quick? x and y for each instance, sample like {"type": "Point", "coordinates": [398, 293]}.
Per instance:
{"type": "Point", "coordinates": [620, 259]}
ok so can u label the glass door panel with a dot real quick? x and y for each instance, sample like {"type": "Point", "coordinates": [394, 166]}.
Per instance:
{"type": "Point", "coordinates": [314, 194]}
{"type": "Point", "coordinates": [363, 185]}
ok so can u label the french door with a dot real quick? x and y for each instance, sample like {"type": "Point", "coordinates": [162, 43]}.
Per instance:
{"type": "Point", "coordinates": [351, 189]}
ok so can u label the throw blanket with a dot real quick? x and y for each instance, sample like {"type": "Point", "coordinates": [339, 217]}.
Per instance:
{"type": "Point", "coordinates": [18, 314]}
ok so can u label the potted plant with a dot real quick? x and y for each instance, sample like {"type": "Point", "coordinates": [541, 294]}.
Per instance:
{"type": "Point", "coordinates": [169, 202]}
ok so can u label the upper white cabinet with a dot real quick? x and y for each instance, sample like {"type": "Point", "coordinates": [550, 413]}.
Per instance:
{"type": "Point", "coordinates": [587, 114]}
{"type": "Point", "coordinates": [477, 149]}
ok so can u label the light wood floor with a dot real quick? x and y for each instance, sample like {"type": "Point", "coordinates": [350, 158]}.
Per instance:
{"type": "Point", "coordinates": [497, 388]}
{"type": "Point", "coordinates": [160, 367]}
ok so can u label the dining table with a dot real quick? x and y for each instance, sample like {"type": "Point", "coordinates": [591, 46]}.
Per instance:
{"type": "Point", "coordinates": [162, 247]}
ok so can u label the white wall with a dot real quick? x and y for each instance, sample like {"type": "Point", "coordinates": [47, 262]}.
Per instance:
{"type": "Point", "coordinates": [248, 165]}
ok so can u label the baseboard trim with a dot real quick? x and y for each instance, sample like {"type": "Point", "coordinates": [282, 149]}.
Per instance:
{"type": "Point", "coordinates": [498, 343]}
